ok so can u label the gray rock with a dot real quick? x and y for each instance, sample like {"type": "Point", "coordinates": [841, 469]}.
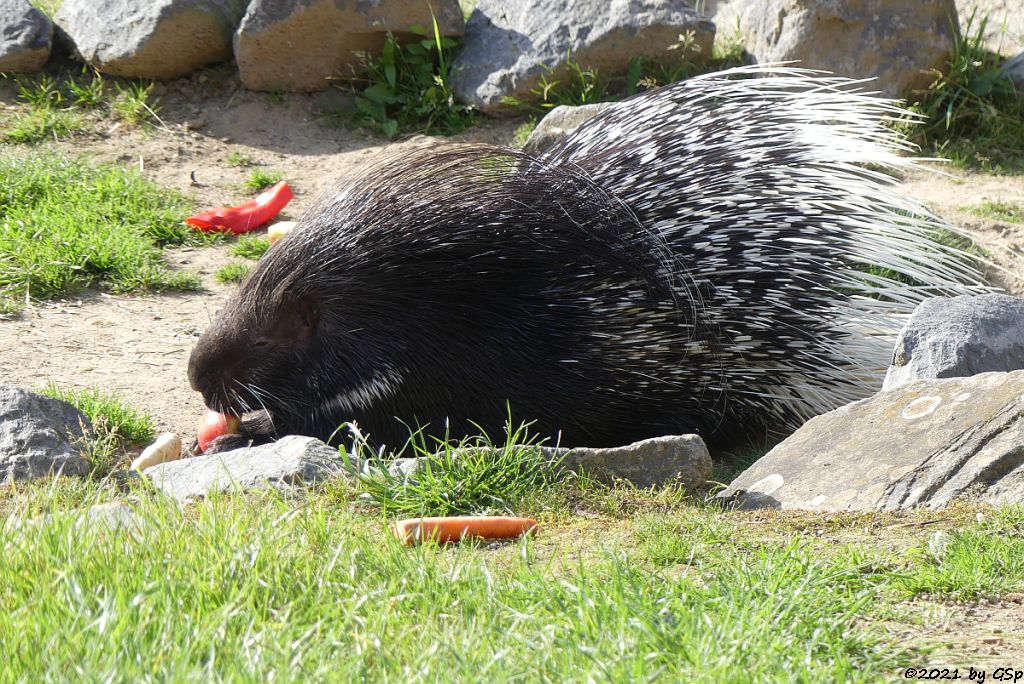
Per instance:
{"type": "Point", "coordinates": [558, 122]}
{"type": "Point", "coordinates": [682, 460]}
{"type": "Point", "coordinates": [679, 459]}
{"type": "Point", "coordinates": [152, 39]}
{"type": "Point", "coordinates": [955, 337]}
{"type": "Point", "coordinates": [923, 444]}
{"type": "Point", "coordinates": [287, 464]}
{"type": "Point", "coordinates": [1014, 68]}
{"type": "Point", "coordinates": [899, 42]}
{"type": "Point", "coordinates": [25, 37]}
{"type": "Point", "coordinates": [509, 44]}
{"type": "Point", "coordinates": [39, 436]}
{"type": "Point", "coordinates": [300, 45]}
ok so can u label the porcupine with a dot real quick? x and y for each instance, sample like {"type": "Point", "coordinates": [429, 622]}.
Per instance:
{"type": "Point", "coordinates": [692, 260]}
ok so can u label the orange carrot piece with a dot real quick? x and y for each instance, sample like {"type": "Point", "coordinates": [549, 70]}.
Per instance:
{"type": "Point", "coordinates": [459, 527]}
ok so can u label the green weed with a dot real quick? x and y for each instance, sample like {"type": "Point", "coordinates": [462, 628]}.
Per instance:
{"type": "Point", "coordinates": [408, 88]}
{"type": "Point", "coordinates": [239, 159]}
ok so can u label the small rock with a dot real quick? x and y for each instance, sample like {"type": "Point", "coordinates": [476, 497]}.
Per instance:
{"type": "Point", "coordinates": [681, 459]}
{"type": "Point", "coordinates": [923, 444]}
{"type": "Point", "coordinates": [287, 464]}
{"type": "Point", "coordinates": [954, 337]}
{"type": "Point", "coordinates": [26, 35]}
{"type": "Point", "coordinates": [195, 124]}
{"type": "Point", "coordinates": [152, 39]}
{"type": "Point", "coordinates": [39, 436]}
{"type": "Point", "coordinates": [510, 44]}
{"type": "Point", "coordinates": [558, 123]}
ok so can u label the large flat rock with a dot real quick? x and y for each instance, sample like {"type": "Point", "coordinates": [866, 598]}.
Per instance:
{"type": "Point", "coordinates": [923, 444]}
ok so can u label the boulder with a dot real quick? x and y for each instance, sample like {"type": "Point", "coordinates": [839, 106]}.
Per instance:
{"type": "Point", "coordinates": [901, 43]}
{"type": "Point", "coordinates": [923, 444]}
{"type": "Point", "coordinates": [290, 463]}
{"type": "Point", "coordinates": [39, 436]}
{"type": "Point", "coordinates": [557, 124]}
{"type": "Point", "coordinates": [25, 37]}
{"type": "Point", "coordinates": [955, 337]}
{"type": "Point", "coordinates": [510, 44]}
{"type": "Point", "coordinates": [301, 45]}
{"type": "Point", "coordinates": [152, 39]}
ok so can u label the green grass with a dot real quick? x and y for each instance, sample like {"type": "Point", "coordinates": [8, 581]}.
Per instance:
{"type": "Point", "coordinates": [408, 88]}
{"type": "Point", "coordinates": [57, 106]}
{"type": "Point", "coordinates": [619, 585]}
{"type": "Point", "coordinates": [259, 179]}
{"type": "Point", "coordinates": [239, 159]}
{"type": "Point", "coordinates": [250, 246]}
{"type": "Point", "coordinates": [470, 476]}
{"type": "Point", "coordinates": [973, 115]}
{"type": "Point", "coordinates": [1009, 212]}
{"type": "Point", "coordinates": [259, 586]}
{"type": "Point", "coordinates": [116, 425]}
{"type": "Point", "coordinates": [67, 224]}
{"type": "Point", "coordinates": [232, 273]}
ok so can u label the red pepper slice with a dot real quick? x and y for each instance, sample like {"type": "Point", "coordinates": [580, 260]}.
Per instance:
{"type": "Point", "coordinates": [246, 216]}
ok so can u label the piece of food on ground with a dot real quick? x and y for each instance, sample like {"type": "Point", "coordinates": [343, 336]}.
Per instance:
{"type": "Point", "coordinates": [456, 528]}
{"type": "Point", "coordinates": [246, 216]}
{"type": "Point", "coordinates": [213, 425]}
{"type": "Point", "coordinates": [166, 447]}
{"type": "Point", "coordinates": [279, 230]}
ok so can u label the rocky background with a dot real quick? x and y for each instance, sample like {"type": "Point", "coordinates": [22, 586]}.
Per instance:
{"type": "Point", "coordinates": [507, 45]}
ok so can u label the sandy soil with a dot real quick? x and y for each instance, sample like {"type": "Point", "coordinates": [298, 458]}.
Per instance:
{"type": "Point", "coordinates": [139, 345]}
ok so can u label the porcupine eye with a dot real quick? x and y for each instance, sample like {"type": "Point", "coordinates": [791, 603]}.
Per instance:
{"type": "Point", "coordinates": [294, 321]}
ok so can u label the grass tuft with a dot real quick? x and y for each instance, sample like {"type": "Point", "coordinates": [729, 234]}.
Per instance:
{"type": "Point", "coordinates": [66, 225]}
{"type": "Point", "coordinates": [250, 246]}
{"type": "Point", "coordinates": [232, 273]}
{"type": "Point", "coordinates": [259, 179]}
{"type": "Point", "coordinates": [1009, 212]}
{"type": "Point", "coordinates": [469, 476]}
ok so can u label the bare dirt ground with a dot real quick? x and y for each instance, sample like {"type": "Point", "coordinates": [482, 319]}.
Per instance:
{"type": "Point", "coordinates": [139, 345]}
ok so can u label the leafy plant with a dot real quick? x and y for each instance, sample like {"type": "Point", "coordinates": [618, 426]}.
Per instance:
{"type": "Point", "coordinates": [972, 114]}
{"type": "Point", "coordinates": [579, 86]}
{"type": "Point", "coordinates": [409, 89]}
{"type": "Point", "coordinates": [89, 93]}
{"type": "Point", "coordinates": [239, 159]}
